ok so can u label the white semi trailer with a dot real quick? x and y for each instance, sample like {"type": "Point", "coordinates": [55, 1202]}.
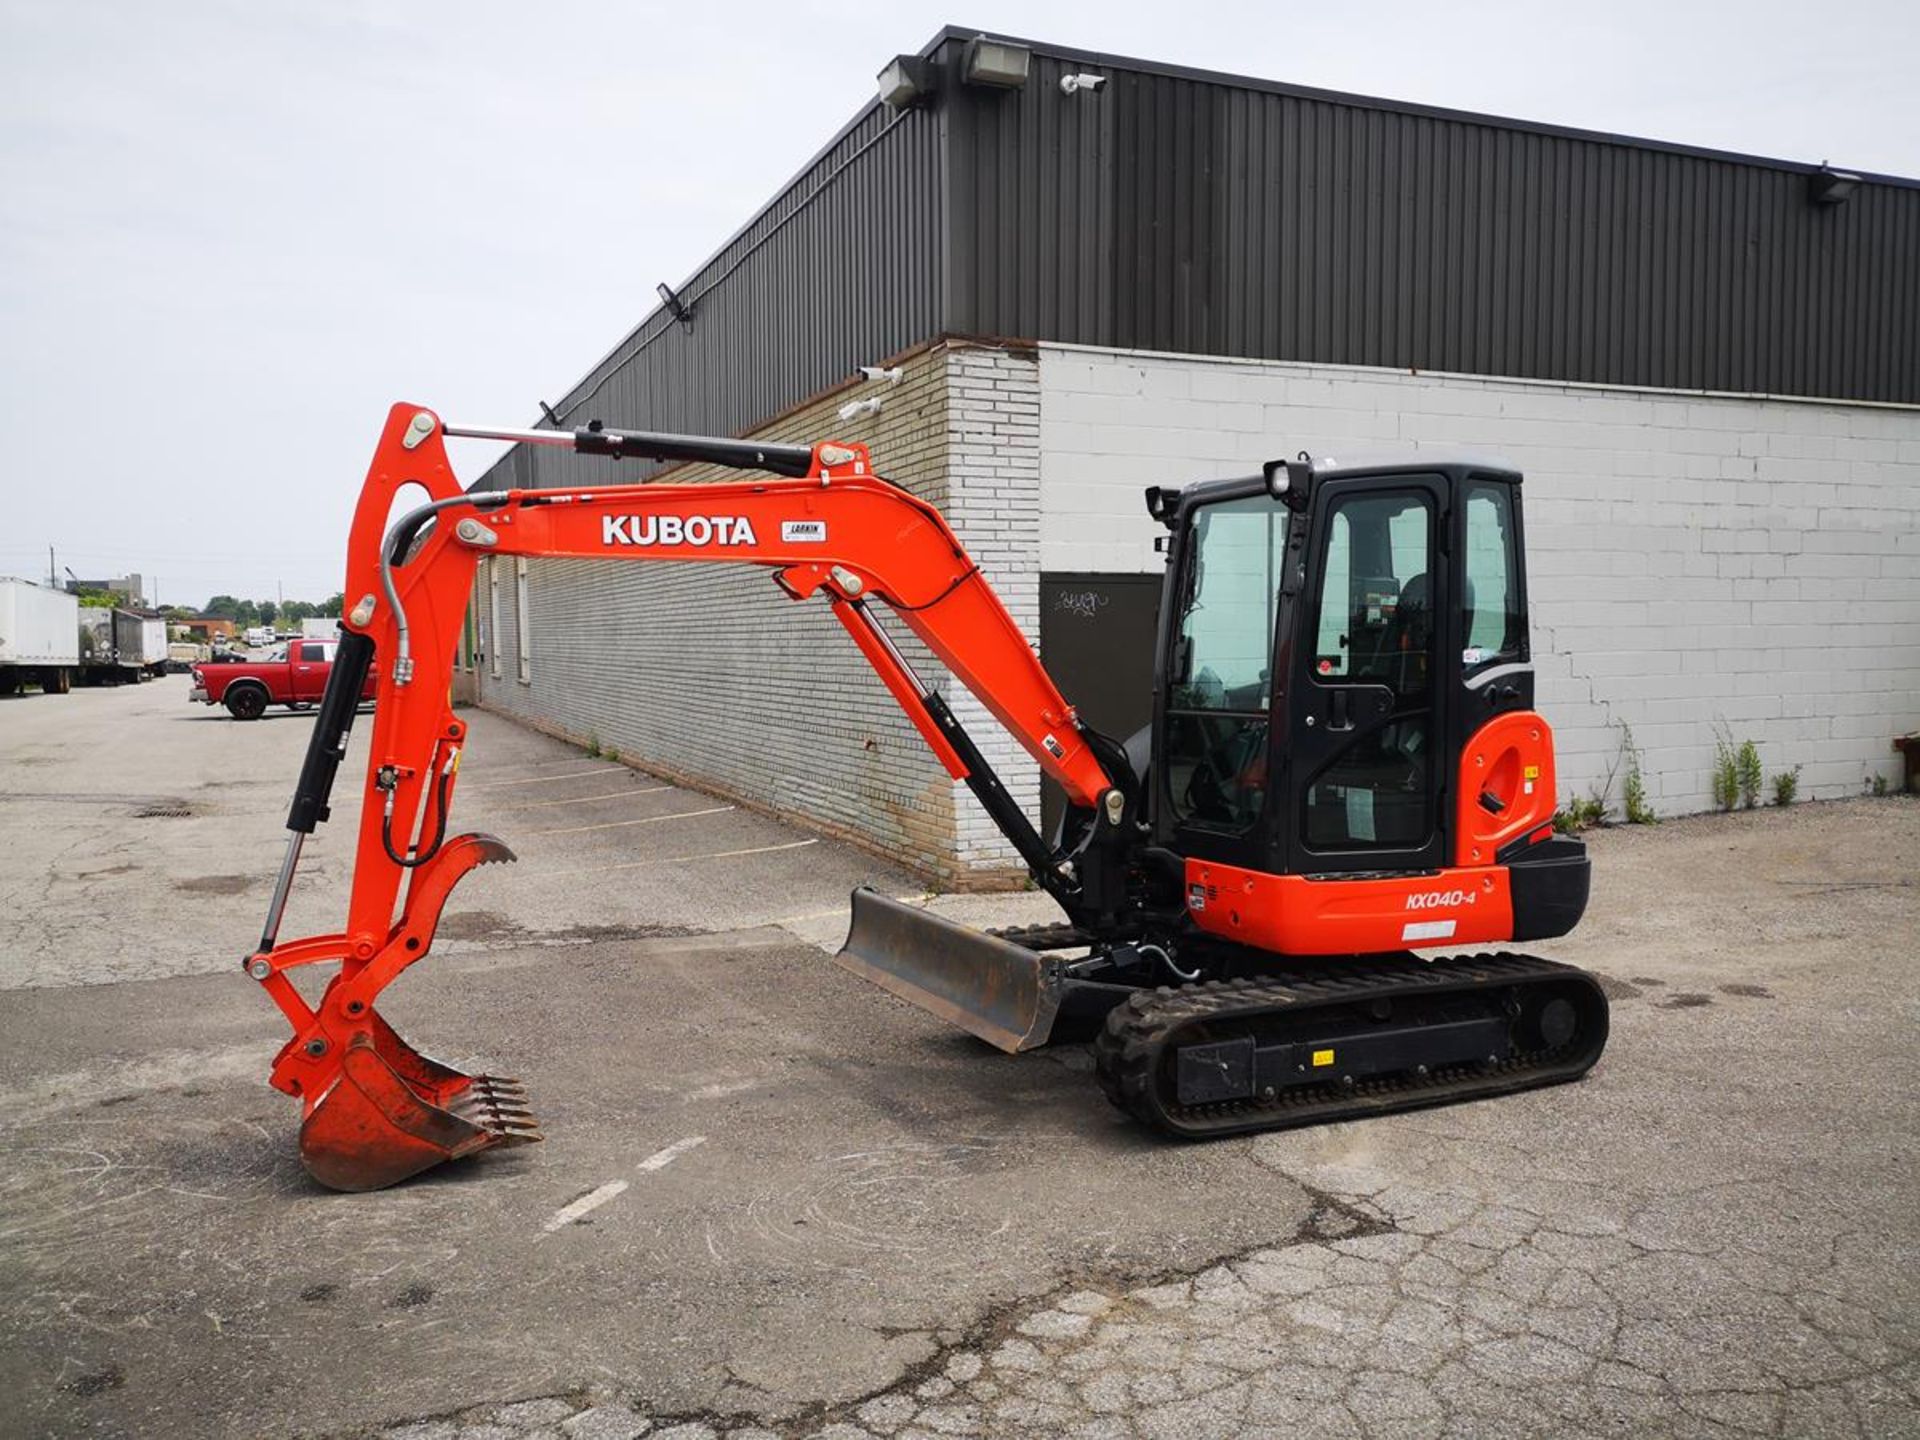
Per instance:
{"type": "Point", "coordinates": [119, 645]}
{"type": "Point", "coordinates": [39, 637]}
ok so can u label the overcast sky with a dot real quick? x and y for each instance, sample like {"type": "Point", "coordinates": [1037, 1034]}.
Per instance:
{"type": "Point", "coordinates": [231, 234]}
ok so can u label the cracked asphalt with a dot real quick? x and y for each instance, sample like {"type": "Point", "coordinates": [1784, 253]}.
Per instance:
{"type": "Point", "coordinates": [777, 1202]}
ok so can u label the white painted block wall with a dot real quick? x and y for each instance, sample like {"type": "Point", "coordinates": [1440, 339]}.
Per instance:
{"type": "Point", "coordinates": [1695, 561]}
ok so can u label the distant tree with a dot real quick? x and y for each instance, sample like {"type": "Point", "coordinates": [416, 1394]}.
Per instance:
{"type": "Point", "coordinates": [268, 610]}
{"type": "Point", "coordinates": [294, 611]}
{"type": "Point", "coordinates": [222, 607]}
{"type": "Point", "coordinates": [99, 597]}
{"type": "Point", "coordinates": [334, 605]}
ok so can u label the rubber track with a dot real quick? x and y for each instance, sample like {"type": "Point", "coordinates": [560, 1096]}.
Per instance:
{"type": "Point", "coordinates": [1129, 1051]}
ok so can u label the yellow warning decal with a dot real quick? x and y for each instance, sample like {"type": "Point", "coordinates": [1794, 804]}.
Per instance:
{"type": "Point", "coordinates": [1532, 772]}
{"type": "Point", "coordinates": [1322, 1057]}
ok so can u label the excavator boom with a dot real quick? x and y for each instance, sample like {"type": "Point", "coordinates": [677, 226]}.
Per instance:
{"type": "Point", "coordinates": [826, 526]}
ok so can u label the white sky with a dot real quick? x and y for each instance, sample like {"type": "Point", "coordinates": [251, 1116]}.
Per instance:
{"type": "Point", "coordinates": [231, 234]}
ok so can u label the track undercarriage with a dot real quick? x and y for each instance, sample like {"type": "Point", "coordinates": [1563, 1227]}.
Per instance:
{"type": "Point", "coordinates": [1246, 1040]}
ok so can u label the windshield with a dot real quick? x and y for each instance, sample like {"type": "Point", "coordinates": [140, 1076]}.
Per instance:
{"type": "Point", "coordinates": [1221, 689]}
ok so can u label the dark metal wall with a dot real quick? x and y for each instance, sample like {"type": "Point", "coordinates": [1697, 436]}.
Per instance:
{"type": "Point", "coordinates": [1178, 212]}
{"type": "Point", "coordinates": [1175, 210]}
{"type": "Point", "coordinates": [841, 269]}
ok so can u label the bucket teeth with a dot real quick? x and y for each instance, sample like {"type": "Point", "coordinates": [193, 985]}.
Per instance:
{"type": "Point", "coordinates": [500, 1108]}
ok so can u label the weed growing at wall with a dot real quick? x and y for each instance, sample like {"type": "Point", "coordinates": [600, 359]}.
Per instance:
{"type": "Point", "coordinates": [1786, 785]}
{"type": "Point", "coordinates": [1634, 787]}
{"type": "Point", "coordinates": [1580, 814]}
{"type": "Point", "coordinates": [1752, 777]}
{"type": "Point", "coordinates": [1726, 770]}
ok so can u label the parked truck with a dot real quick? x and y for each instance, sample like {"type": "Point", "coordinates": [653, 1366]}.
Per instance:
{"type": "Point", "coordinates": [39, 639]}
{"type": "Point", "coordinates": [320, 627]}
{"type": "Point", "coordinates": [294, 675]}
{"type": "Point", "coordinates": [118, 646]}
{"type": "Point", "coordinates": [183, 655]}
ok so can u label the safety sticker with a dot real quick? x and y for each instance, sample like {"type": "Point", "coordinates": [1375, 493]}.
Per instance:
{"type": "Point", "coordinates": [1196, 897]}
{"type": "Point", "coordinates": [1472, 655]}
{"type": "Point", "coordinates": [803, 532]}
{"type": "Point", "coordinates": [1322, 1058]}
{"type": "Point", "coordinates": [1428, 930]}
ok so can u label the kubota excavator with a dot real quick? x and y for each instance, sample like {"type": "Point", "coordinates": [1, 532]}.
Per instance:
{"type": "Point", "coordinates": [1344, 765]}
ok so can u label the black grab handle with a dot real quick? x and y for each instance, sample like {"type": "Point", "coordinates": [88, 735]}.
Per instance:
{"type": "Point", "coordinates": [327, 746]}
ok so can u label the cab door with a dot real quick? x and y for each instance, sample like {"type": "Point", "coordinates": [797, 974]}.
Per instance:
{"type": "Point", "coordinates": [311, 662]}
{"type": "Point", "coordinates": [1367, 744]}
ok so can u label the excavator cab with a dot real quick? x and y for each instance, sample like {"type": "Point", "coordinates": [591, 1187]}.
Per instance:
{"type": "Point", "coordinates": [1331, 638]}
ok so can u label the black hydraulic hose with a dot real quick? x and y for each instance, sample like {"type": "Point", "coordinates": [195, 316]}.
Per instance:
{"type": "Point", "coordinates": [439, 825]}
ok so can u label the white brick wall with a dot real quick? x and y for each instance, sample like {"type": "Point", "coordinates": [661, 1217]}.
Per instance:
{"type": "Point", "coordinates": [993, 505]}
{"type": "Point", "coordinates": [708, 674]}
{"type": "Point", "coordinates": [1694, 560]}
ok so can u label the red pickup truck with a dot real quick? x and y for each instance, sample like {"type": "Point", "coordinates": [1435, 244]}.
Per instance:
{"type": "Point", "coordinates": [294, 676]}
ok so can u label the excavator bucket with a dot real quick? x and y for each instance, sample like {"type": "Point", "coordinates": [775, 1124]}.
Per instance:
{"type": "Point", "coordinates": [1006, 995]}
{"type": "Point", "coordinates": [393, 1113]}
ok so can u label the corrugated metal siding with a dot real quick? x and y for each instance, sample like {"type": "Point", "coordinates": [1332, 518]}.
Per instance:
{"type": "Point", "coordinates": [842, 269]}
{"type": "Point", "coordinates": [1174, 213]}
{"type": "Point", "coordinates": [1211, 215]}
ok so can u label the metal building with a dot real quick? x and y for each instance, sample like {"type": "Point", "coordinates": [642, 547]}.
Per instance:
{"type": "Point", "coordinates": [1709, 365]}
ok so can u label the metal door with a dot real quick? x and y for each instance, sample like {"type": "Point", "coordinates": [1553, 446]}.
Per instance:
{"type": "Point", "coordinates": [1096, 640]}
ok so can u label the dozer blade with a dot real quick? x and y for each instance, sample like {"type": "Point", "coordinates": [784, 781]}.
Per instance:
{"type": "Point", "coordinates": [393, 1113]}
{"type": "Point", "coordinates": [1007, 996]}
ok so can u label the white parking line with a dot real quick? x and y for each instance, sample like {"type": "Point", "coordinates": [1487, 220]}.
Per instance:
{"type": "Point", "coordinates": [650, 820]}
{"type": "Point", "coordinates": [546, 779]}
{"type": "Point", "coordinates": [660, 1159]}
{"type": "Point", "coordinates": [592, 1200]}
{"type": "Point", "coordinates": [583, 799]}
{"type": "Point", "coordinates": [569, 1214]}
{"type": "Point", "coordinates": [668, 860]}
{"type": "Point", "coordinates": [547, 764]}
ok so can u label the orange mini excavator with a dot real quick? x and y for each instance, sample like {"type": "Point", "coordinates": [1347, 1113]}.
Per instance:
{"type": "Point", "coordinates": [1344, 765]}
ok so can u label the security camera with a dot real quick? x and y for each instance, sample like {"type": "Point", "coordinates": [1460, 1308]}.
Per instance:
{"type": "Point", "coordinates": [1071, 84]}
{"type": "Point", "coordinates": [890, 374]}
{"type": "Point", "coordinates": [854, 409]}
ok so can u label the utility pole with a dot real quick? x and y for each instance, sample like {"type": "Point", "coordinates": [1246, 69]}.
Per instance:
{"type": "Point", "coordinates": [53, 573]}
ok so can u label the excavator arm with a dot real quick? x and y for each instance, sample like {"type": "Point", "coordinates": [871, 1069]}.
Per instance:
{"type": "Point", "coordinates": [823, 523]}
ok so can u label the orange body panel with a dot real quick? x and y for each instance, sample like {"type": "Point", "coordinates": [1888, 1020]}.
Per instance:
{"type": "Point", "coordinates": [1296, 915]}
{"type": "Point", "coordinates": [1510, 758]}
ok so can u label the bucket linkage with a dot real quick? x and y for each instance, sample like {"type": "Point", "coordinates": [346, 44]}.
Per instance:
{"type": "Point", "coordinates": [375, 1110]}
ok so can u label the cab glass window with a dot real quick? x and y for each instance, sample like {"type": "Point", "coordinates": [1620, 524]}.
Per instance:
{"type": "Point", "coordinates": [1221, 692]}
{"type": "Point", "coordinates": [1375, 638]}
{"type": "Point", "coordinates": [1374, 614]}
{"type": "Point", "coordinates": [1496, 622]}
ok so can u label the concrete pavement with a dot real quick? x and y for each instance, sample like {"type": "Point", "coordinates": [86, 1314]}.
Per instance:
{"type": "Point", "coordinates": [774, 1198]}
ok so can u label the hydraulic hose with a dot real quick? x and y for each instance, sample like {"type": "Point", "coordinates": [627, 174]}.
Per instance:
{"type": "Point", "coordinates": [439, 822]}
{"type": "Point", "coordinates": [399, 540]}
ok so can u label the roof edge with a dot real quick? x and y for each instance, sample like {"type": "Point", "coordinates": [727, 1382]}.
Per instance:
{"type": "Point", "coordinates": [1406, 107]}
